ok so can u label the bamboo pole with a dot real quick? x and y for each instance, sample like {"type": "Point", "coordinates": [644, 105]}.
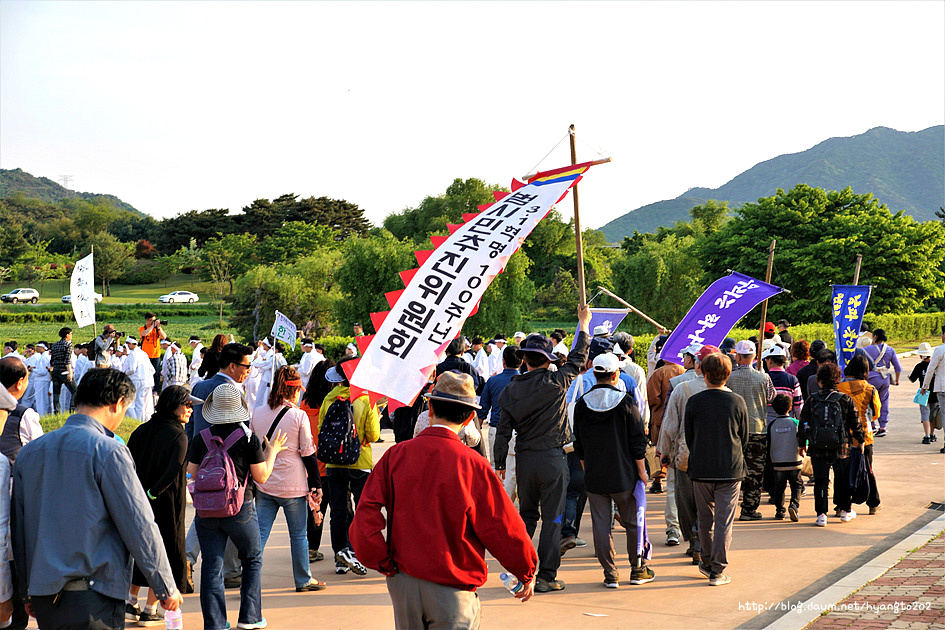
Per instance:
{"type": "Point", "coordinates": [856, 272]}
{"type": "Point", "coordinates": [764, 305]}
{"type": "Point", "coordinates": [578, 240]}
{"type": "Point", "coordinates": [659, 326]}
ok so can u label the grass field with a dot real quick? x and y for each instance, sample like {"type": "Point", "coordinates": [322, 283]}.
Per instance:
{"type": "Point", "coordinates": [51, 291]}
{"type": "Point", "coordinates": [54, 421]}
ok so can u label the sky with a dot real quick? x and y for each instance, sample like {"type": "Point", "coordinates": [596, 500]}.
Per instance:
{"type": "Point", "coordinates": [176, 106]}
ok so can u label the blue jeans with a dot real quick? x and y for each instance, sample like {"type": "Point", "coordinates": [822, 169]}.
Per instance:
{"type": "Point", "coordinates": [296, 517]}
{"type": "Point", "coordinates": [341, 481]}
{"type": "Point", "coordinates": [243, 530]}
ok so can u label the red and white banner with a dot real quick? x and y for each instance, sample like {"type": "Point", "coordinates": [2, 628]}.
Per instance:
{"type": "Point", "coordinates": [446, 289]}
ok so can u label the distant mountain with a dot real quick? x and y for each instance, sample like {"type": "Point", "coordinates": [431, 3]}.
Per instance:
{"type": "Point", "coordinates": [17, 180]}
{"type": "Point", "coordinates": [904, 170]}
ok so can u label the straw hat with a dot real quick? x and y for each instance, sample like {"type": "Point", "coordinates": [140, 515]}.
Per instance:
{"type": "Point", "coordinates": [226, 405]}
{"type": "Point", "coordinates": [454, 387]}
{"type": "Point", "coordinates": [924, 350]}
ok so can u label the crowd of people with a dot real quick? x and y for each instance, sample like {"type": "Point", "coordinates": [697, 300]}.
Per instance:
{"type": "Point", "coordinates": [532, 421]}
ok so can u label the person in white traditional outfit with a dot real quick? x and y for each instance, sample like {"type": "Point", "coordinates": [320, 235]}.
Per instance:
{"type": "Point", "coordinates": [310, 358]}
{"type": "Point", "coordinates": [496, 346]}
{"type": "Point", "coordinates": [195, 360]}
{"type": "Point", "coordinates": [42, 382]}
{"type": "Point", "coordinates": [266, 366]}
{"type": "Point", "coordinates": [138, 367]}
{"type": "Point", "coordinates": [479, 359]}
{"type": "Point", "coordinates": [251, 384]}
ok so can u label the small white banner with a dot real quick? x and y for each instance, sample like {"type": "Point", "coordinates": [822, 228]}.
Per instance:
{"type": "Point", "coordinates": [82, 287]}
{"type": "Point", "coordinates": [284, 330]}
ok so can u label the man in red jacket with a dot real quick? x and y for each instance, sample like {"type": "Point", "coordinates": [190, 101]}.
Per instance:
{"type": "Point", "coordinates": [435, 564]}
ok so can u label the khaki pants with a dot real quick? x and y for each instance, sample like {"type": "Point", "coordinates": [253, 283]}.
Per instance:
{"type": "Point", "coordinates": [422, 604]}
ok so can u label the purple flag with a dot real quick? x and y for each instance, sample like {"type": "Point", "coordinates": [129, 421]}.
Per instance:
{"type": "Point", "coordinates": [644, 548]}
{"type": "Point", "coordinates": [609, 318]}
{"type": "Point", "coordinates": [716, 312]}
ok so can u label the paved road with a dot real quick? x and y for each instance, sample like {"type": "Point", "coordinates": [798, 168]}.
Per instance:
{"type": "Point", "coordinates": [772, 562]}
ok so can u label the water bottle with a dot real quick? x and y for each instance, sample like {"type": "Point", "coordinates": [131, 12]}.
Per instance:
{"type": "Point", "coordinates": [511, 582]}
{"type": "Point", "coordinates": [173, 620]}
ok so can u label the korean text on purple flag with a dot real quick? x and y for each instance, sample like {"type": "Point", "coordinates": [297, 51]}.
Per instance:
{"type": "Point", "coordinates": [849, 305]}
{"type": "Point", "coordinates": [716, 312]}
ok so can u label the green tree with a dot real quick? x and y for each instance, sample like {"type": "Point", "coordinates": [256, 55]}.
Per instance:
{"type": "Point", "coordinates": [226, 257]}
{"type": "Point", "coordinates": [294, 240]}
{"type": "Point", "coordinates": [13, 243]}
{"type": "Point", "coordinates": [173, 233]}
{"type": "Point", "coordinates": [112, 258]}
{"type": "Point", "coordinates": [662, 278]}
{"type": "Point", "coordinates": [819, 234]}
{"type": "Point", "coordinates": [305, 292]}
{"type": "Point", "coordinates": [433, 213]}
{"type": "Point", "coordinates": [369, 268]}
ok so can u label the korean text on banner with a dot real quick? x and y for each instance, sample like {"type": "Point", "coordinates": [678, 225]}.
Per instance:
{"type": "Point", "coordinates": [442, 293]}
{"type": "Point", "coordinates": [284, 329]}
{"type": "Point", "coordinates": [716, 312]}
{"type": "Point", "coordinates": [82, 288]}
{"type": "Point", "coordinates": [849, 305]}
{"type": "Point", "coordinates": [609, 318]}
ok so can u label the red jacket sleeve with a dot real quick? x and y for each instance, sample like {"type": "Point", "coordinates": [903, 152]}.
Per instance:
{"type": "Point", "coordinates": [500, 528]}
{"type": "Point", "coordinates": [366, 529]}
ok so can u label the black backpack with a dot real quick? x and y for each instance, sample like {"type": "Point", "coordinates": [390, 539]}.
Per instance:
{"type": "Point", "coordinates": [338, 441]}
{"type": "Point", "coordinates": [825, 431]}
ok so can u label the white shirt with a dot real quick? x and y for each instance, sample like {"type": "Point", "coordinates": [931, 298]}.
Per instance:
{"type": "Point", "coordinates": [495, 359]}
{"type": "Point", "coordinates": [138, 365]}
{"type": "Point", "coordinates": [561, 349]}
{"type": "Point", "coordinates": [80, 367]}
{"type": "Point", "coordinates": [195, 360]}
{"type": "Point", "coordinates": [306, 365]}
{"type": "Point", "coordinates": [40, 363]}
{"type": "Point", "coordinates": [30, 427]}
{"type": "Point", "coordinates": [481, 363]}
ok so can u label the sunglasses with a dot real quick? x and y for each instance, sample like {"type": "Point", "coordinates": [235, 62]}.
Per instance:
{"type": "Point", "coordinates": [188, 404]}
{"type": "Point", "coordinates": [245, 365]}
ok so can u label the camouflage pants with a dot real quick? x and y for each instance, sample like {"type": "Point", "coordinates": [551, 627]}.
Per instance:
{"type": "Point", "coordinates": [756, 449]}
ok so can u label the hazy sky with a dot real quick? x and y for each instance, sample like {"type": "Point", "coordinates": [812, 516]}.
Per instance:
{"type": "Point", "coordinates": [174, 106]}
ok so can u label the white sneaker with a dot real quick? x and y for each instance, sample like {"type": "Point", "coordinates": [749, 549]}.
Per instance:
{"type": "Point", "coordinates": [846, 517]}
{"type": "Point", "coordinates": [821, 520]}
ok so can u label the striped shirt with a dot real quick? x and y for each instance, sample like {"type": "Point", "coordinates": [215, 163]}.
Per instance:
{"type": "Point", "coordinates": [175, 370]}
{"type": "Point", "coordinates": [757, 390]}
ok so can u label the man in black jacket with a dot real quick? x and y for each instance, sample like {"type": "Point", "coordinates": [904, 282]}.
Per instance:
{"type": "Point", "coordinates": [534, 406]}
{"type": "Point", "coordinates": [610, 440]}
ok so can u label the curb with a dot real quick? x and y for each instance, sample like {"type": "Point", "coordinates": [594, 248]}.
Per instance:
{"type": "Point", "coordinates": [809, 611]}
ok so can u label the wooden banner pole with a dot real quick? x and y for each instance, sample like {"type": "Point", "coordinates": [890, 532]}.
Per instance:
{"type": "Point", "coordinates": [578, 241]}
{"type": "Point", "coordinates": [764, 306]}
{"type": "Point", "coordinates": [856, 272]}
{"type": "Point", "coordinates": [659, 327]}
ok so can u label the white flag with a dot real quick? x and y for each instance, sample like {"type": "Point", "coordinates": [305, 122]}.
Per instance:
{"type": "Point", "coordinates": [284, 330]}
{"type": "Point", "coordinates": [82, 286]}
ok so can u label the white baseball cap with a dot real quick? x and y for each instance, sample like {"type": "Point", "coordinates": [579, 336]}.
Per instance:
{"type": "Point", "coordinates": [745, 346]}
{"type": "Point", "coordinates": [606, 363]}
{"type": "Point", "coordinates": [692, 349]}
{"type": "Point", "coordinates": [773, 351]}
{"type": "Point", "coordinates": [601, 330]}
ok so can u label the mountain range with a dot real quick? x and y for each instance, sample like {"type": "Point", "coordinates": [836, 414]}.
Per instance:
{"type": "Point", "coordinates": [14, 181]}
{"type": "Point", "coordinates": [904, 170]}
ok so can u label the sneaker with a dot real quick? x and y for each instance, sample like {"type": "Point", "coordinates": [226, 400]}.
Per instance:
{"type": "Point", "coordinates": [690, 551]}
{"type": "Point", "coordinates": [926, 440]}
{"type": "Point", "coordinates": [779, 515]}
{"type": "Point", "coordinates": [546, 586]}
{"type": "Point", "coordinates": [718, 579]}
{"type": "Point", "coordinates": [750, 516]}
{"type": "Point", "coordinates": [880, 433]}
{"type": "Point", "coordinates": [696, 558]}
{"type": "Point", "coordinates": [347, 558]}
{"type": "Point", "coordinates": [579, 542]}
{"type": "Point", "coordinates": [704, 570]}
{"type": "Point", "coordinates": [657, 487]}
{"type": "Point", "coordinates": [232, 582]}
{"type": "Point", "coordinates": [846, 517]}
{"type": "Point", "coordinates": [875, 509]}
{"type": "Point", "coordinates": [611, 583]}
{"type": "Point", "coordinates": [821, 520]}
{"type": "Point", "coordinates": [792, 512]}
{"type": "Point", "coordinates": [642, 575]}
{"type": "Point", "coordinates": [932, 438]}
{"type": "Point", "coordinates": [132, 611]}
{"type": "Point", "coordinates": [341, 568]}
{"type": "Point", "coordinates": [315, 556]}
{"type": "Point", "coordinates": [150, 619]}
{"type": "Point", "coordinates": [672, 539]}
{"type": "Point", "coordinates": [313, 585]}
{"type": "Point", "coordinates": [567, 544]}
{"type": "Point", "coordinates": [262, 623]}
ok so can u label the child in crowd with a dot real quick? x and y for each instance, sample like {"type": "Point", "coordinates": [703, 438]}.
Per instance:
{"type": "Point", "coordinates": [784, 458]}
{"type": "Point", "coordinates": [918, 375]}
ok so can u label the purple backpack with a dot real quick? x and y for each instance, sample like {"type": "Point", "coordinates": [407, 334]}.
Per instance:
{"type": "Point", "coordinates": [218, 492]}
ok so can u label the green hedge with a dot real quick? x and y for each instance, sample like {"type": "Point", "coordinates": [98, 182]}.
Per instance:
{"type": "Point", "coordinates": [63, 313]}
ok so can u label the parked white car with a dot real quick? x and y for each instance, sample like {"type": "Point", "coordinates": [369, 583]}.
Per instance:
{"type": "Point", "coordinates": [67, 299]}
{"type": "Point", "coordinates": [179, 296]}
{"type": "Point", "coordinates": [21, 295]}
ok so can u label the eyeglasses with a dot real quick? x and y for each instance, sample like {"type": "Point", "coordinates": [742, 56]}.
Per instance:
{"type": "Point", "coordinates": [245, 365]}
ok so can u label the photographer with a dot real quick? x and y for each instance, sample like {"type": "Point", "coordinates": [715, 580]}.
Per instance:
{"type": "Point", "coordinates": [150, 336]}
{"type": "Point", "coordinates": [105, 346]}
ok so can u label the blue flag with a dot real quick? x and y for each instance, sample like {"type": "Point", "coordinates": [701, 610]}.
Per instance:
{"type": "Point", "coordinates": [849, 305]}
{"type": "Point", "coordinates": [609, 318]}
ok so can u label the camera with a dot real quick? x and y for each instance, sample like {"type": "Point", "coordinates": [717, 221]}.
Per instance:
{"type": "Point", "coordinates": [162, 322]}
{"type": "Point", "coordinates": [120, 333]}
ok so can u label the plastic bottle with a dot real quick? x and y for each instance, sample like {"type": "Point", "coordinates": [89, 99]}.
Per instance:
{"type": "Point", "coordinates": [511, 582]}
{"type": "Point", "coordinates": [173, 620]}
